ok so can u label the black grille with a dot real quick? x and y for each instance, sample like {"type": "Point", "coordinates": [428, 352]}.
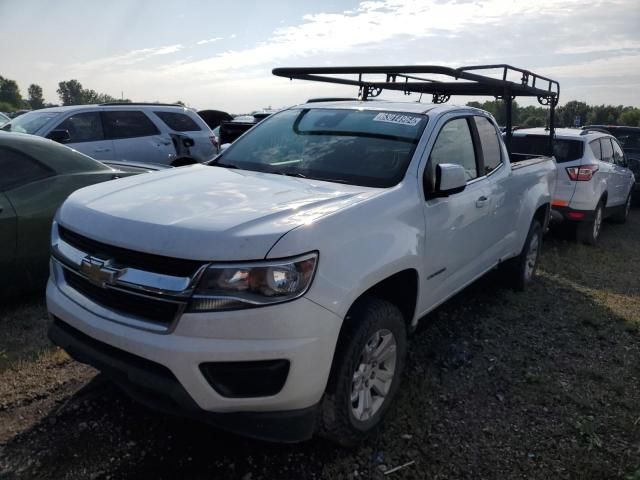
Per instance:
{"type": "Point", "coordinates": [145, 308]}
{"type": "Point", "coordinates": [129, 258]}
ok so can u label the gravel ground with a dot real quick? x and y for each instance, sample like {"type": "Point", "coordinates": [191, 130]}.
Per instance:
{"type": "Point", "coordinates": [499, 385]}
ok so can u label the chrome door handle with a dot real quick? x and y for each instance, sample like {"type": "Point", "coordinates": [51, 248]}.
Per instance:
{"type": "Point", "coordinates": [482, 202]}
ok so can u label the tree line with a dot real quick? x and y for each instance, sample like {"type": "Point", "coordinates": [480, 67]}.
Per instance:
{"type": "Point", "coordinates": [70, 92]}
{"type": "Point", "coordinates": [573, 113]}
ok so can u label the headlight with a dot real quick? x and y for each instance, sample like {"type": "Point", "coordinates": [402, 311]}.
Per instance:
{"type": "Point", "coordinates": [237, 286]}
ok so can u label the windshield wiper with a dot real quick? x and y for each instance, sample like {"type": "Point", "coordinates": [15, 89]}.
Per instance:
{"type": "Point", "coordinates": [224, 165]}
{"type": "Point", "coordinates": [292, 174]}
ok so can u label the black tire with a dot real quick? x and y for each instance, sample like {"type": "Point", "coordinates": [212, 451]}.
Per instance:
{"type": "Point", "coordinates": [520, 271]}
{"type": "Point", "coordinates": [337, 420]}
{"type": "Point", "coordinates": [589, 232]}
{"type": "Point", "coordinates": [623, 214]}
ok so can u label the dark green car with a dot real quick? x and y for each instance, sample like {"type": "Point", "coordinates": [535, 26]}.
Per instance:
{"type": "Point", "coordinates": [36, 176]}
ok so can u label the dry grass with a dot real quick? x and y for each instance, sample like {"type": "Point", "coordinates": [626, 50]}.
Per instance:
{"type": "Point", "coordinates": [499, 385]}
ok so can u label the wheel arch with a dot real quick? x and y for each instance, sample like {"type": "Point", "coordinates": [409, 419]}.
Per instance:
{"type": "Point", "coordinates": [399, 289]}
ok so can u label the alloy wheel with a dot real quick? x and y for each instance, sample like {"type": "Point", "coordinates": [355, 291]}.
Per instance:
{"type": "Point", "coordinates": [374, 375]}
{"type": "Point", "coordinates": [532, 256]}
{"type": "Point", "coordinates": [597, 222]}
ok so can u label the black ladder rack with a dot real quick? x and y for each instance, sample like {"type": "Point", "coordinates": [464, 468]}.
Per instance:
{"type": "Point", "coordinates": [461, 81]}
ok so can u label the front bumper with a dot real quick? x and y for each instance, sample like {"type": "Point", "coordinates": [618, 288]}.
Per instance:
{"type": "Point", "coordinates": [300, 331]}
{"type": "Point", "coordinates": [156, 387]}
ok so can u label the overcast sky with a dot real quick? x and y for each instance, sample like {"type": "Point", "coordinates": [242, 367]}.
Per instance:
{"type": "Point", "coordinates": [213, 54]}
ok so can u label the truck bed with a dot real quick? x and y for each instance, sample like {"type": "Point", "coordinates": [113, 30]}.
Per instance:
{"type": "Point", "coordinates": [520, 160]}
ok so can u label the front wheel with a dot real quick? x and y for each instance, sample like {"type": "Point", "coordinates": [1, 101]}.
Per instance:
{"type": "Point", "coordinates": [366, 373]}
{"type": "Point", "coordinates": [589, 232]}
{"type": "Point", "coordinates": [520, 270]}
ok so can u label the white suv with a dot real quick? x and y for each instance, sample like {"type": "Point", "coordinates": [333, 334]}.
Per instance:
{"type": "Point", "coordinates": [132, 132]}
{"type": "Point", "coordinates": [593, 181]}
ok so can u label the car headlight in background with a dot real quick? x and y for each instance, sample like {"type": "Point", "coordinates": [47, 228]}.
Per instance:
{"type": "Point", "coordinates": [238, 286]}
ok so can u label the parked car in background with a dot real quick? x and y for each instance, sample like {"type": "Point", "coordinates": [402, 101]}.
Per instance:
{"type": "Point", "coordinates": [17, 113]}
{"type": "Point", "coordinates": [213, 118]}
{"type": "Point", "coordinates": [276, 301]}
{"type": "Point", "coordinates": [629, 138]}
{"type": "Point", "coordinates": [36, 176]}
{"type": "Point", "coordinates": [593, 181]}
{"type": "Point", "coordinates": [231, 130]}
{"type": "Point", "coordinates": [3, 119]}
{"type": "Point", "coordinates": [155, 133]}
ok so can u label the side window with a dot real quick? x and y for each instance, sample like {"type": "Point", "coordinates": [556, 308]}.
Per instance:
{"type": "Point", "coordinates": [178, 121]}
{"type": "Point", "coordinates": [618, 153]}
{"type": "Point", "coordinates": [83, 127]}
{"type": "Point", "coordinates": [18, 169]}
{"type": "Point", "coordinates": [607, 150]}
{"type": "Point", "coordinates": [127, 124]}
{"type": "Point", "coordinates": [595, 148]}
{"type": "Point", "coordinates": [453, 145]}
{"type": "Point", "coordinates": [491, 151]}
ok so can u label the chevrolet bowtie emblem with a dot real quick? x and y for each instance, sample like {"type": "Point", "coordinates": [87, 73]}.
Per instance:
{"type": "Point", "coordinates": [99, 271]}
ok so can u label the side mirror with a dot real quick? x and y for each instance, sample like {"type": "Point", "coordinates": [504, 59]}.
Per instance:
{"type": "Point", "coordinates": [60, 136]}
{"type": "Point", "coordinates": [224, 146]}
{"type": "Point", "coordinates": [188, 142]}
{"type": "Point", "coordinates": [450, 178]}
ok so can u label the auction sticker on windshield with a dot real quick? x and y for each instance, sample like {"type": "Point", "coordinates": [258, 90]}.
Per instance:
{"type": "Point", "coordinates": [397, 118]}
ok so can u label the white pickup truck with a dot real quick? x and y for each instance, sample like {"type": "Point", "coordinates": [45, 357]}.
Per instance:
{"type": "Point", "coordinates": [271, 292]}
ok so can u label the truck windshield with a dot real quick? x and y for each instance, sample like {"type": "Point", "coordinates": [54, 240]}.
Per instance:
{"type": "Point", "coordinates": [563, 150]}
{"type": "Point", "coordinates": [29, 122]}
{"type": "Point", "coordinates": [358, 147]}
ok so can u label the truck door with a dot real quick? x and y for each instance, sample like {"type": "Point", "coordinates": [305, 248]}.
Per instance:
{"type": "Point", "coordinates": [502, 209]}
{"type": "Point", "coordinates": [457, 231]}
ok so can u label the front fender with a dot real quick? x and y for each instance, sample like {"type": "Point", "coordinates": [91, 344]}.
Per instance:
{"type": "Point", "coordinates": [359, 246]}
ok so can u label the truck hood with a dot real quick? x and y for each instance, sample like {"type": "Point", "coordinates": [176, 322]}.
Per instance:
{"type": "Point", "coordinates": [203, 213]}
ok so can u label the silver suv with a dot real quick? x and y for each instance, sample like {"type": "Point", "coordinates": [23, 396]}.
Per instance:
{"type": "Point", "coordinates": [593, 180]}
{"type": "Point", "coordinates": [133, 132]}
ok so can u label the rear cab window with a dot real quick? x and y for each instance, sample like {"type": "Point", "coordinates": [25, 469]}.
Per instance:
{"type": "Point", "coordinates": [178, 122]}
{"type": "Point", "coordinates": [491, 151]}
{"type": "Point", "coordinates": [360, 147]}
{"type": "Point", "coordinates": [564, 149]}
{"type": "Point", "coordinates": [120, 124]}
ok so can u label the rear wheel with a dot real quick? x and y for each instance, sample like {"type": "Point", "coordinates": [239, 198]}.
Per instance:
{"type": "Point", "coordinates": [519, 271]}
{"type": "Point", "coordinates": [366, 373]}
{"type": "Point", "coordinates": [623, 214]}
{"type": "Point", "coordinates": [589, 232]}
